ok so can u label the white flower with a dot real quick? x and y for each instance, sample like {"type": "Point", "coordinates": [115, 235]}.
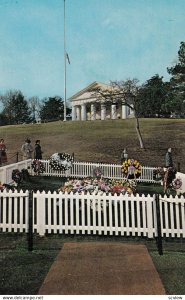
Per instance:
{"type": "Point", "coordinates": [61, 161]}
{"type": "Point", "coordinates": [55, 156]}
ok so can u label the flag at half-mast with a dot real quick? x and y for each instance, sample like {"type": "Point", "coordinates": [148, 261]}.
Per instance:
{"type": "Point", "coordinates": [67, 56]}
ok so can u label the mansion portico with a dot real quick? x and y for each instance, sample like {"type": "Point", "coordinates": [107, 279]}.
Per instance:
{"type": "Point", "coordinates": [86, 107]}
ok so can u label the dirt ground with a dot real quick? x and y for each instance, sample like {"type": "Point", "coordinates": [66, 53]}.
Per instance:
{"type": "Point", "coordinates": [97, 268]}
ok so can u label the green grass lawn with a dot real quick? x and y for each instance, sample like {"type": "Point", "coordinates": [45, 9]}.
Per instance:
{"type": "Point", "coordinates": [171, 268]}
{"type": "Point", "coordinates": [103, 141]}
{"type": "Point", "coordinates": [41, 183]}
{"type": "Point", "coordinates": [22, 271]}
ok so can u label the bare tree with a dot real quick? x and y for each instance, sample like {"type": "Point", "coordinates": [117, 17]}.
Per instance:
{"type": "Point", "coordinates": [35, 106]}
{"type": "Point", "coordinates": [124, 92]}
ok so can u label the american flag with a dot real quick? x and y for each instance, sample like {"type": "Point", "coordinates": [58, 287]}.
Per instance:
{"type": "Point", "coordinates": [67, 56]}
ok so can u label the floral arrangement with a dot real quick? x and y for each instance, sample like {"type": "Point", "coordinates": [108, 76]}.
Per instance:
{"type": "Point", "coordinates": [96, 185]}
{"type": "Point", "coordinates": [169, 175]}
{"type": "Point", "coordinates": [167, 178]}
{"type": "Point", "coordinates": [61, 161]}
{"type": "Point", "coordinates": [38, 166]}
{"type": "Point", "coordinates": [166, 175]}
{"type": "Point", "coordinates": [177, 183]}
{"type": "Point", "coordinates": [158, 173]}
{"type": "Point", "coordinates": [17, 176]}
{"type": "Point", "coordinates": [98, 172]}
{"type": "Point", "coordinates": [131, 168]}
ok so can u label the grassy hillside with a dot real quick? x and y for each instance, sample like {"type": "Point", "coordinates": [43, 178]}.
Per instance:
{"type": "Point", "coordinates": [103, 141]}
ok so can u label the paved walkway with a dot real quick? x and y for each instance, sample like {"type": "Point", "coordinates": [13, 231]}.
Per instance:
{"type": "Point", "coordinates": [93, 268]}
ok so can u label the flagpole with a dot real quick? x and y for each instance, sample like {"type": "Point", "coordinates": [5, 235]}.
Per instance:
{"type": "Point", "coordinates": [64, 61]}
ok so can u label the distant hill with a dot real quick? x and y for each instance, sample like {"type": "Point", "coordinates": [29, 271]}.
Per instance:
{"type": "Point", "coordinates": [103, 141]}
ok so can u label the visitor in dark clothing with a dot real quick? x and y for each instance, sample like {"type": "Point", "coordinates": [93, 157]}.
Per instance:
{"type": "Point", "coordinates": [38, 151]}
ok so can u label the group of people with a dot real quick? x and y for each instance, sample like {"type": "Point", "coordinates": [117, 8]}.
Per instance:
{"type": "Point", "coordinates": [28, 150]}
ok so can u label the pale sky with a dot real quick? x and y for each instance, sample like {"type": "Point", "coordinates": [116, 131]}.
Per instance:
{"type": "Point", "coordinates": [105, 39]}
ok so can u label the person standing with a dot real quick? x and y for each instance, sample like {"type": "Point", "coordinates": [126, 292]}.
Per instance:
{"type": "Point", "coordinates": [27, 149]}
{"type": "Point", "coordinates": [168, 158]}
{"type": "Point", "coordinates": [3, 155]}
{"type": "Point", "coordinates": [170, 171]}
{"type": "Point", "coordinates": [38, 150]}
{"type": "Point", "coordinates": [124, 155]}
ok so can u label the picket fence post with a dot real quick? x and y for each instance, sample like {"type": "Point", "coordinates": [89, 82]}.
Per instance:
{"type": "Point", "coordinates": [30, 221]}
{"type": "Point", "coordinates": [159, 233]}
{"type": "Point", "coordinates": [41, 213]}
{"type": "Point", "coordinates": [149, 216]}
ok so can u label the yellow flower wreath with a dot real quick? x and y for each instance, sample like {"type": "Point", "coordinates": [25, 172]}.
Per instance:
{"type": "Point", "coordinates": [131, 163]}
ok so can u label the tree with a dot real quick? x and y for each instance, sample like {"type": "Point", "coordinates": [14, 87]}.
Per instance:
{"type": "Point", "coordinates": [3, 120]}
{"type": "Point", "coordinates": [178, 77]}
{"type": "Point", "coordinates": [53, 109]}
{"type": "Point", "coordinates": [35, 106]}
{"type": "Point", "coordinates": [16, 108]}
{"type": "Point", "coordinates": [124, 92]}
{"type": "Point", "coordinates": [153, 97]}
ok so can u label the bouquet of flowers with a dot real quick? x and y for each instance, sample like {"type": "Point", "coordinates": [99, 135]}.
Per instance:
{"type": "Point", "coordinates": [38, 166]}
{"type": "Point", "coordinates": [98, 172]}
{"type": "Point", "coordinates": [17, 176]}
{"type": "Point", "coordinates": [61, 161]}
{"type": "Point", "coordinates": [158, 173]}
{"type": "Point", "coordinates": [177, 183]}
{"type": "Point", "coordinates": [99, 186]}
{"type": "Point", "coordinates": [123, 186]}
{"type": "Point", "coordinates": [132, 168]}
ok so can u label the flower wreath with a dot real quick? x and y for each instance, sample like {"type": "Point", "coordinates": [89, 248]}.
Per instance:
{"type": "Point", "coordinates": [38, 166]}
{"type": "Point", "coordinates": [158, 173]}
{"type": "Point", "coordinates": [131, 167]}
{"type": "Point", "coordinates": [61, 161]}
{"type": "Point", "coordinates": [17, 176]}
{"type": "Point", "coordinates": [98, 172]}
{"type": "Point", "coordinates": [177, 183]}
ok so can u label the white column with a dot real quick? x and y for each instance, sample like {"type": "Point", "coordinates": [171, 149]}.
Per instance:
{"type": "Point", "coordinates": [78, 113]}
{"type": "Point", "coordinates": [93, 112]}
{"type": "Point", "coordinates": [73, 113]}
{"type": "Point", "coordinates": [103, 111]}
{"type": "Point", "coordinates": [83, 112]}
{"type": "Point", "coordinates": [113, 111]}
{"type": "Point", "coordinates": [124, 111]}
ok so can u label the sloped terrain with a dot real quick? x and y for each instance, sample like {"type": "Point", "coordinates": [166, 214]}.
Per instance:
{"type": "Point", "coordinates": [103, 141]}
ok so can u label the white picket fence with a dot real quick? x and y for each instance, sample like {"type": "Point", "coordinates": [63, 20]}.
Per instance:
{"type": "Point", "coordinates": [172, 216]}
{"type": "Point", "coordinates": [6, 171]}
{"type": "Point", "coordinates": [79, 169]}
{"type": "Point", "coordinates": [96, 214]}
{"type": "Point", "coordinates": [85, 169]}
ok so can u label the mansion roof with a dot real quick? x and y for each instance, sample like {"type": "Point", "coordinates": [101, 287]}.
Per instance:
{"type": "Point", "coordinates": [86, 94]}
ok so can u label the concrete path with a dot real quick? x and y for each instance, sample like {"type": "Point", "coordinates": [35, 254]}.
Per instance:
{"type": "Point", "coordinates": [93, 268]}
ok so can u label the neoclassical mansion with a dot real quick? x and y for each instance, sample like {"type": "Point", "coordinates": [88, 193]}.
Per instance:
{"type": "Point", "coordinates": [86, 107]}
